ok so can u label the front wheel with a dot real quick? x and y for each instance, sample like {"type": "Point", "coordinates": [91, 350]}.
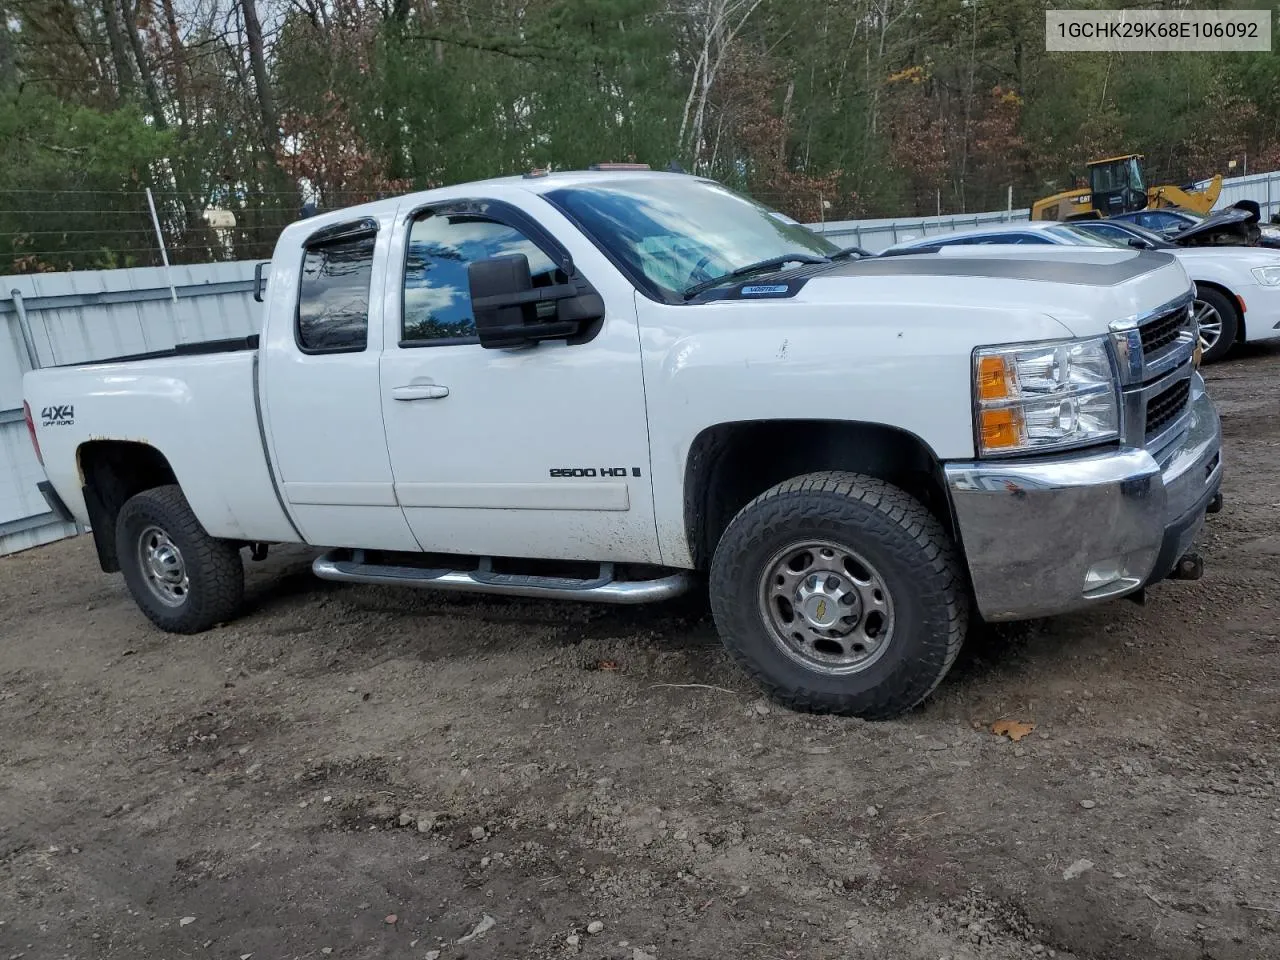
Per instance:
{"type": "Point", "coordinates": [1218, 321]}
{"type": "Point", "coordinates": [840, 594]}
{"type": "Point", "coordinates": [183, 579]}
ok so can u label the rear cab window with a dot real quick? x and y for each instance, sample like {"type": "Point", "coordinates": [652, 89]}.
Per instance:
{"type": "Point", "coordinates": [334, 290]}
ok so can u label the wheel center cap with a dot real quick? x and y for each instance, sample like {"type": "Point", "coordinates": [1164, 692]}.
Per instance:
{"type": "Point", "coordinates": [819, 601]}
{"type": "Point", "coordinates": [166, 563]}
{"type": "Point", "coordinates": [821, 611]}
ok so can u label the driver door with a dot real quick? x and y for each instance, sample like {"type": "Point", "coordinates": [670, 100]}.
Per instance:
{"type": "Point", "coordinates": [538, 452]}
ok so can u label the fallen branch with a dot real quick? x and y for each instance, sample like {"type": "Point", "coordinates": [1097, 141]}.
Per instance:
{"type": "Point", "coordinates": [694, 686]}
{"type": "Point", "coordinates": [1260, 909]}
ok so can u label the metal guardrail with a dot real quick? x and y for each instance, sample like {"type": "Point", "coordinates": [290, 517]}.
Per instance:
{"type": "Point", "coordinates": [879, 235]}
{"type": "Point", "coordinates": [48, 319]}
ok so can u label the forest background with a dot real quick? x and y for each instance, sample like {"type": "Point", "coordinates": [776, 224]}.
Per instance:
{"type": "Point", "coordinates": [260, 111]}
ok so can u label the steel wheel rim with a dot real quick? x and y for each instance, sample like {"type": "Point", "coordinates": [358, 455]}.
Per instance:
{"type": "Point", "coordinates": [1208, 323]}
{"type": "Point", "coordinates": [826, 607]}
{"type": "Point", "coordinates": [163, 569]}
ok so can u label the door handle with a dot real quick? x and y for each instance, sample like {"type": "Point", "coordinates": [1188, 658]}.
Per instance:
{"type": "Point", "coordinates": [420, 391]}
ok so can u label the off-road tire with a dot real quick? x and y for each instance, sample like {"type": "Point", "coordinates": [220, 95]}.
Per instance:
{"type": "Point", "coordinates": [899, 537]}
{"type": "Point", "coordinates": [1230, 314]}
{"type": "Point", "coordinates": [214, 567]}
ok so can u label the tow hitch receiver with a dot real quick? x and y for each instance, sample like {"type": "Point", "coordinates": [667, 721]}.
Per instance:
{"type": "Point", "coordinates": [1190, 566]}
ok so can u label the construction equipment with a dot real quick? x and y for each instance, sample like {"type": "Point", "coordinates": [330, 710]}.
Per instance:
{"type": "Point", "coordinates": [1117, 185]}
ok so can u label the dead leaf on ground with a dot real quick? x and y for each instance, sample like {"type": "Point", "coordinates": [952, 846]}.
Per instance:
{"type": "Point", "coordinates": [607, 665]}
{"type": "Point", "coordinates": [1013, 729]}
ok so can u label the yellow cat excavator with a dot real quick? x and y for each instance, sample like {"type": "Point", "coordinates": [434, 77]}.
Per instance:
{"type": "Point", "coordinates": [1117, 185]}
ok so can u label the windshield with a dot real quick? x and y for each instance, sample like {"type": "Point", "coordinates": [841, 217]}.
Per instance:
{"type": "Point", "coordinates": [1111, 235]}
{"type": "Point", "coordinates": [1118, 175]}
{"type": "Point", "coordinates": [1150, 236]}
{"type": "Point", "coordinates": [1134, 172]}
{"type": "Point", "coordinates": [1088, 238]}
{"type": "Point", "coordinates": [671, 233]}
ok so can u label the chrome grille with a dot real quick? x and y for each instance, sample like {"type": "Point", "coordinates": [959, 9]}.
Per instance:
{"type": "Point", "coordinates": [1155, 353]}
{"type": "Point", "coordinates": [1162, 330]}
{"type": "Point", "coordinates": [1166, 407]}
{"type": "Point", "coordinates": [1149, 346]}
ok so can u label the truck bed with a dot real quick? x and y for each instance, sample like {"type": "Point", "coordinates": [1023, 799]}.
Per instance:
{"type": "Point", "coordinates": [196, 405]}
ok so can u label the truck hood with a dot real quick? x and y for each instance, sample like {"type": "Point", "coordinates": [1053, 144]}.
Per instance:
{"type": "Point", "coordinates": [1083, 288]}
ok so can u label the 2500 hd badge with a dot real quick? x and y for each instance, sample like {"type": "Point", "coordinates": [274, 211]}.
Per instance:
{"type": "Point", "coordinates": [593, 472]}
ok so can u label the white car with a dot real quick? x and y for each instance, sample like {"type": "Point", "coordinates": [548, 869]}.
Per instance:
{"type": "Point", "coordinates": [607, 385]}
{"type": "Point", "coordinates": [1237, 288]}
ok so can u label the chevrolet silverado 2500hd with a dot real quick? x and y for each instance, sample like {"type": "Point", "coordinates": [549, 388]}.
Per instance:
{"type": "Point", "coordinates": [604, 385]}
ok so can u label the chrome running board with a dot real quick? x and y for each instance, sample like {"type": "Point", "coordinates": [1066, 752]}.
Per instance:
{"type": "Point", "coordinates": [348, 566]}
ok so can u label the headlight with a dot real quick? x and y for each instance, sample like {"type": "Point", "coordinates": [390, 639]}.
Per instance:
{"type": "Point", "coordinates": [1037, 397]}
{"type": "Point", "coordinates": [1267, 276]}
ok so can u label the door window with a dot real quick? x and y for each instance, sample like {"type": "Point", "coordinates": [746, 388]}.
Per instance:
{"type": "Point", "coordinates": [437, 297]}
{"type": "Point", "coordinates": [333, 295]}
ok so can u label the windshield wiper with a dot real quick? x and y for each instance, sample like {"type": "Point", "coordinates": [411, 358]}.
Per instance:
{"type": "Point", "coordinates": [850, 252]}
{"type": "Point", "coordinates": [760, 266]}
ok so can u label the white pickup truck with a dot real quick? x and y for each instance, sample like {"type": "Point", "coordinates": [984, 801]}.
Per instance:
{"type": "Point", "coordinates": [610, 384]}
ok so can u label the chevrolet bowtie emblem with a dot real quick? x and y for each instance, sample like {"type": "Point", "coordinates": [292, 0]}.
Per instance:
{"type": "Point", "coordinates": [822, 610]}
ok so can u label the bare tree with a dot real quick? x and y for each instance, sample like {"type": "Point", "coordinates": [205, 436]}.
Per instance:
{"type": "Point", "coordinates": [119, 53]}
{"type": "Point", "coordinates": [261, 79]}
{"type": "Point", "coordinates": [149, 88]}
{"type": "Point", "coordinates": [719, 22]}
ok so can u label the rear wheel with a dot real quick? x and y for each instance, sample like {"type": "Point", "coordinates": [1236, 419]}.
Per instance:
{"type": "Point", "coordinates": [183, 579]}
{"type": "Point", "coordinates": [1219, 323]}
{"type": "Point", "coordinates": [840, 594]}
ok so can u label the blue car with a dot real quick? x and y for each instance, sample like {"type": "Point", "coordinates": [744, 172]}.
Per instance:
{"type": "Point", "coordinates": [1178, 225]}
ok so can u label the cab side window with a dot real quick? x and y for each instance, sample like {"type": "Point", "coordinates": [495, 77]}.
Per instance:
{"type": "Point", "coordinates": [333, 296]}
{"type": "Point", "coordinates": [437, 298]}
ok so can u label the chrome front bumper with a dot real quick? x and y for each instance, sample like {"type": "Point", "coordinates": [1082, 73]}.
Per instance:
{"type": "Point", "coordinates": [1048, 536]}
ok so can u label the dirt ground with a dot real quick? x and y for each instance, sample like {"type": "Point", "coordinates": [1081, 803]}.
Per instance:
{"type": "Point", "coordinates": [359, 772]}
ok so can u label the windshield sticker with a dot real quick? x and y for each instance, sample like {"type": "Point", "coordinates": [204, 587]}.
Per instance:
{"type": "Point", "coordinates": [765, 290]}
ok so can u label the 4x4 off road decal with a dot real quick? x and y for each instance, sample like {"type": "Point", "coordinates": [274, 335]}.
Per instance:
{"type": "Point", "coordinates": [58, 416]}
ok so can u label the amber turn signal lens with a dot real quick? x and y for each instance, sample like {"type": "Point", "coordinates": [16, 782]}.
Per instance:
{"type": "Point", "coordinates": [1001, 429]}
{"type": "Point", "coordinates": [995, 380]}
